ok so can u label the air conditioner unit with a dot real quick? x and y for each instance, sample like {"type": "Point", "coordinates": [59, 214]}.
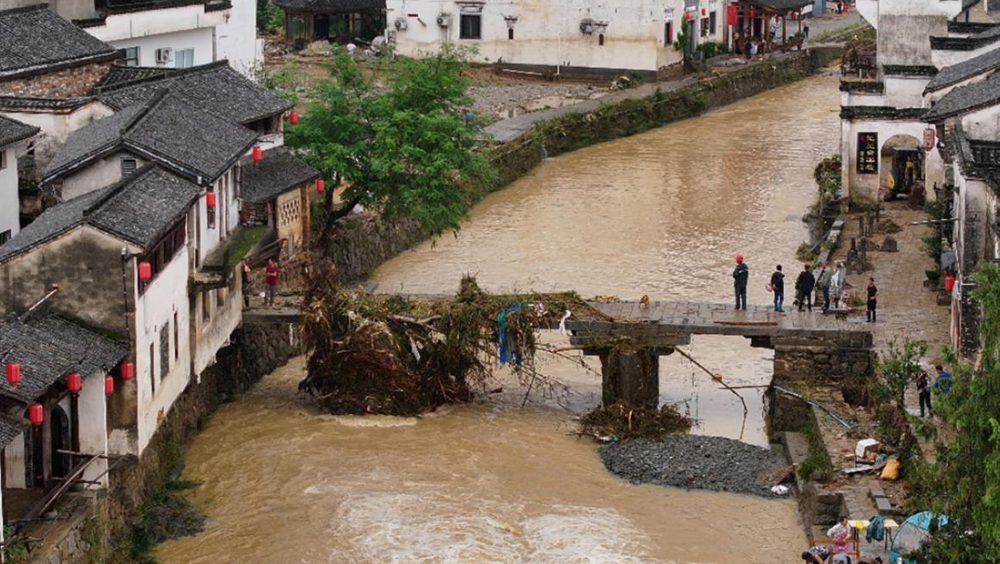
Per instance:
{"type": "Point", "coordinates": [163, 55]}
{"type": "Point", "coordinates": [444, 20]}
{"type": "Point", "coordinates": [587, 26]}
{"type": "Point", "coordinates": [400, 24]}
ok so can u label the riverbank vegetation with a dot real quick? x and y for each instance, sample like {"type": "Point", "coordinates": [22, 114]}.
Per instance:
{"type": "Point", "coordinates": [964, 482]}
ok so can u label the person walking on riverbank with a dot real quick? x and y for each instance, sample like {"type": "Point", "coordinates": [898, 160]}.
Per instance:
{"type": "Point", "coordinates": [924, 393]}
{"type": "Point", "coordinates": [245, 283]}
{"type": "Point", "coordinates": [778, 287]}
{"type": "Point", "coordinates": [872, 299]}
{"type": "Point", "coordinates": [804, 286]}
{"type": "Point", "coordinates": [271, 272]}
{"type": "Point", "coordinates": [823, 280]}
{"type": "Point", "coordinates": [741, 275]}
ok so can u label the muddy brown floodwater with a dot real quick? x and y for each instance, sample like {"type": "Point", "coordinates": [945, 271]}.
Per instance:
{"type": "Point", "coordinates": [661, 213]}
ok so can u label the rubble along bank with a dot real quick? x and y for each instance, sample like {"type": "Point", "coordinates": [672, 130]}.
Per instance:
{"type": "Point", "coordinates": [364, 242]}
{"type": "Point", "coordinates": [694, 462]}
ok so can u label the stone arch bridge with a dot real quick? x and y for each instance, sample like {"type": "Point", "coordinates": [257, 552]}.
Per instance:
{"type": "Point", "coordinates": [806, 345]}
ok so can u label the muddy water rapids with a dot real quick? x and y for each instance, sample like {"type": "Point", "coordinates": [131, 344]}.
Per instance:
{"type": "Point", "coordinates": [663, 214]}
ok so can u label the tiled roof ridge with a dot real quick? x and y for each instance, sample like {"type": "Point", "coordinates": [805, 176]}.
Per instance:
{"type": "Point", "coordinates": [165, 75]}
{"type": "Point", "coordinates": [148, 107]}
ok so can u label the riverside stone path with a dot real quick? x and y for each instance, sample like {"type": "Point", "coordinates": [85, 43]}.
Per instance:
{"type": "Point", "coordinates": [507, 130]}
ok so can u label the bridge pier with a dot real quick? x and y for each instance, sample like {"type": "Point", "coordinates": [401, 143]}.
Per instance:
{"type": "Point", "coordinates": [631, 375]}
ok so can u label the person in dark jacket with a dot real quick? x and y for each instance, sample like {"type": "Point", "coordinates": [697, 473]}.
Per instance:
{"type": "Point", "coordinates": [872, 299]}
{"type": "Point", "coordinates": [804, 286]}
{"type": "Point", "coordinates": [778, 287]}
{"type": "Point", "coordinates": [740, 277]}
{"type": "Point", "coordinates": [924, 394]}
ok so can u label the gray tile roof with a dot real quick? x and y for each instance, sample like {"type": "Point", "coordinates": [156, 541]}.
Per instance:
{"type": "Point", "coordinates": [144, 206]}
{"type": "Point", "coordinates": [215, 88]}
{"type": "Point", "coordinates": [54, 221]}
{"type": "Point", "coordinates": [278, 172]}
{"type": "Point", "coordinates": [48, 348]}
{"type": "Point", "coordinates": [12, 131]}
{"type": "Point", "coordinates": [965, 70]}
{"type": "Point", "coordinates": [138, 210]}
{"type": "Point", "coordinates": [967, 98]}
{"type": "Point", "coordinates": [167, 129]}
{"type": "Point", "coordinates": [36, 37]}
{"type": "Point", "coordinates": [330, 5]}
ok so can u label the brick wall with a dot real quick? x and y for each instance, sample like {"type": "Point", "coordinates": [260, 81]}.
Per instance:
{"type": "Point", "coordinates": [65, 83]}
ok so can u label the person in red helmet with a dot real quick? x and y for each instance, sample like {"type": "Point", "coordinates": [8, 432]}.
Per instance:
{"type": "Point", "coordinates": [740, 277]}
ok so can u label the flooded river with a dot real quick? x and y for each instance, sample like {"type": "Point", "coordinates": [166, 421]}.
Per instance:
{"type": "Point", "coordinates": [663, 214]}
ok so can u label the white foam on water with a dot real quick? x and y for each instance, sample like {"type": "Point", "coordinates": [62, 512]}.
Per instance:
{"type": "Point", "coordinates": [379, 421]}
{"type": "Point", "coordinates": [435, 527]}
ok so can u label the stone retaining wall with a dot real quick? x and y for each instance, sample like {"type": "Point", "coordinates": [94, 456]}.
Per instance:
{"type": "Point", "coordinates": [361, 244]}
{"type": "Point", "coordinates": [255, 351]}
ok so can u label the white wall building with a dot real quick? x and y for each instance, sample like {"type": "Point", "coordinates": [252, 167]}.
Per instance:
{"type": "Point", "coordinates": [563, 36]}
{"type": "Point", "coordinates": [14, 139]}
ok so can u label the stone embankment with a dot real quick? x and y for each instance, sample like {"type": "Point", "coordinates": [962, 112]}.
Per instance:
{"type": "Point", "coordinates": [694, 462]}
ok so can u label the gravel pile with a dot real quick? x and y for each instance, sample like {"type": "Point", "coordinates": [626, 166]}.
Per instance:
{"type": "Point", "coordinates": [693, 462]}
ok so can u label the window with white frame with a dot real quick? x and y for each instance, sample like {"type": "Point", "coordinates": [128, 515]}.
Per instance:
{"type": "Point", "coordinates": [184, 58]}
{"type": "Point", "coordinates": [132, 56]}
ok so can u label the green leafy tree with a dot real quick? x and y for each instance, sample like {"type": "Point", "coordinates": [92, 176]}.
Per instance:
{"type": "Point", "coordinates": [405, 148]}
{"type": "Point", "coordinates": [964, 483]}
{"type": "Point", "coordinates": [683, 43]}
{"type": "Point", "coordinates": [895, 371]}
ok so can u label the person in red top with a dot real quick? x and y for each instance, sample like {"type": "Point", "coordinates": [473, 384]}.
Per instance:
{"type": "Point", "coordinates": [271, 272]}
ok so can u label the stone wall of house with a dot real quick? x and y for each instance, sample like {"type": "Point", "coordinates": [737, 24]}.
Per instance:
{"type": "Point", "coordinates": [66, 83]}
{"type": "Point", "coordinates": [256, 350]}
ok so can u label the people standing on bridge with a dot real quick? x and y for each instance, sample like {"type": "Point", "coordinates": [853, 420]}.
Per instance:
{"type": "Point", "coordinates": [823, 280]}
{"type": "Point", "coordinates": [741, 276]}
{"type": "Point", "coordinates": [778, 287]}
{"type": "Point", "coordinates": [271, 272]}
{"type": "Point", "coordinates": [804, 286]}
{"type": "Point", "coordinates": [872, 299]}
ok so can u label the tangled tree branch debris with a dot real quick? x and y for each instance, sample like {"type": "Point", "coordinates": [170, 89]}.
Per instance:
{"type": "Point", "coordinates": [622, 421]}
{"type": "Point", "coordinates": [396, 356]}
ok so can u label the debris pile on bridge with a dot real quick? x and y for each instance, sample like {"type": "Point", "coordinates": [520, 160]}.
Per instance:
{"type": "Point", "coordinates": [622, 421]}
{"type": "Point", "coordinates": [373, 354]}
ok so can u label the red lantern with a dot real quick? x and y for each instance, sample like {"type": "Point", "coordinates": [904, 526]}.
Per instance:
{"type": "Point", "coordinates": [257, 154]}
{"type": "Point", "coordinates": [949, 282]}
{"type": "Point", "coordinates": [293, 117]}
{"type": "Point", "coordinates": [320, 186]}
{"type": "Point", "coordinates": [109, 385]}
{"type": "Point", "coordinates": [689, 16]}
{"type": "Point", "coordinates": [36, 414]}
{"type": "Point", "coordinates": [145, 271]}
{"type": "Point", "coordinates": [751, 13]}
{"type": "Point", "coordinates": [74, 382]}
{"type": "Point", "coordinates": [210, 199]}
{"type": "Point", "coordinates": [704, 12]}
{"type": "Point", "coordinates": [127, 370]}
{"type": "Point", "coordinates": [13, 373]}
{"type": "Point", "coordinates": [731, 14]}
